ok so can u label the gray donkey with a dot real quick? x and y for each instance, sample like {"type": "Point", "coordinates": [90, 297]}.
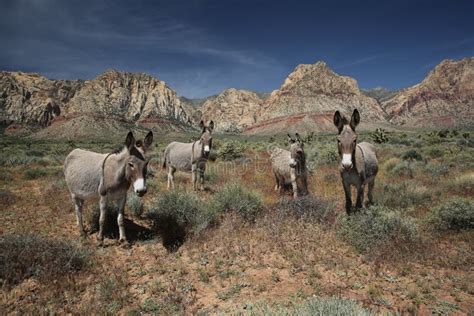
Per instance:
{"type": "Point", "coordinates": [189, 157]}
{"type": "Point", "coordinates": [89, 174]}
{"type": "Point", "coordinates": [289, 167]}
{"type": "Point", "coordinates": [358, 161]}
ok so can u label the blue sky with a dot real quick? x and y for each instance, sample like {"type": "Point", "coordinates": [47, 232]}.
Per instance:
{"type": "Point", "coordinates": [201, 47]}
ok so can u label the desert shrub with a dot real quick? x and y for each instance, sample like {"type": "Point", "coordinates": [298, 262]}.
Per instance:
{"type": "Point", "coordinates": [176, 215]}
{"type": "Point", "coordinates": [230, 151]}
{"type": "Point", "coordinates": [25, 256]}
{"type": "Point", "coordinates": [434, 152]}
{"type": "Point", "coordinates": [463, 184]}
{"type": "Point", "coordinates": [234, 197]}
{"type": "Point", "coordinates": [379, 136]}
{"type": "Point", "coordinates": [402, 195]}
{"type": "Point", "coordinates": [437, 170]}
{"type": "Point", "coordinates": [402, 168]}
{"type": "Point", "coordinates": [327, 155]}
{"type": "Point", "coordinates": [390, 164]}
{"type": "Point", "coordinates": [309, 208]}
{"type": "Point", "coordinates": [412, 155]}
{"type": "Point", "coordinates": [456, 214]}
{"type": "Point", "coordinates": [16, 160]}
{"type": "Point", "coordinates": [311, 306]}
{"type": "Point", "coordinates": [35, 173]}
{"type": "Point", "coordinates": [376, 229]}
{"type": "Point", "coordinates": [135, 204]}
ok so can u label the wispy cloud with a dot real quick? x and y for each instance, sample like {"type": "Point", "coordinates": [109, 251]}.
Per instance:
{"type": "Point", "coordinates": [357, 62]}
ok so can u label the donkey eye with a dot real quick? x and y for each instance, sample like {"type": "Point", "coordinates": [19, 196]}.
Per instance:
{"type": "Point", "coordinates": [131, 165]}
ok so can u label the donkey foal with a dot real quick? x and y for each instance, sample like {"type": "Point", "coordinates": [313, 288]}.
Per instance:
{"type": "Point", "coordinates": [289, 167]}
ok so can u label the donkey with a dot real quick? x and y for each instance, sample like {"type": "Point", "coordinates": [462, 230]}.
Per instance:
{"type": "Point", "coordinates": [358, 161]}
{"type": "Point", "coordinates": [109, 176]}
{"type": "Point", "coordinates": [289, 167]}
{"type": "Point", "coordinates": [189, 157]}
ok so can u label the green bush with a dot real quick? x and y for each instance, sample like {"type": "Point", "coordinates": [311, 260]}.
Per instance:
{"type": "Point", "coordinates": [457, 214]}
{"type": "Point", "coordinates": [312, 306]}
{"type": "Point", "coordinates": [35, 173]}
{"type": "Point", "coordinates": [176, 215]}
{"type": "Point", "coordinates": [379, 136]}
{"type": "Point", "coordinates": [230, 151]}
{"type": "Point", "coordinates": [377, 229]}
{"type": "Point", "coordinates": [234, 197]}
{"type": "Point", "coordinates": [412, 155]}
{"type": "Point", "coordinates": [309, 208]}
{"type": "Point", "coordinates": [25, 256]}
{"type": "Point", "coordinates": [402, 195]}
{"type": "Point", "coordinates": [135, 204]}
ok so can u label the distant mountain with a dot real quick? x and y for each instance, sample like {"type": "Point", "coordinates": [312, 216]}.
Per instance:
{"type": "Point", "coordinates": [444, 98]}
{"type": "Point", "coordinates": [125, 97]}
{"type": "Point", "coordinates": [379, 93]}
{"type": "Point", "coordinates": [116, 101]}
{"type": "Point", "coordinates": [232, 110]}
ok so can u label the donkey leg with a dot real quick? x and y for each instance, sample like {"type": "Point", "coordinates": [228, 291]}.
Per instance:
{"type": "Point", "coordinates": [171, 178]}
{"type": "Point", "coordinates": [370, 196]}
{"type": "Point", "coordinates": [294, 185]}
{"type": "Point", "coordinates": [360, 196]}
{"type": "Point", "coordinates": [347, 193]}
{"type": "Point", "coordinates": [78, 204]}
{"type": "Point", "coordinates": [103, 206]}
{"type": "Point", "coordinates": [120, 219]}
{"type": "Point", "coordinates": [194, 176]}
{"type": "Point", "coordinates": [201, 178]}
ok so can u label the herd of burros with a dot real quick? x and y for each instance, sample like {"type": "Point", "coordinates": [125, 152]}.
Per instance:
{"type": "Point", "coordinates": [109, 176]}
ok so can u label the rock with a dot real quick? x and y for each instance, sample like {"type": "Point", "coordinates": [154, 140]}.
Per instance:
{"type": "Point", "coordinates": [232, 110]}
{"type": "Point", "coordinates": [316, 88]}
{"type": "Point", "coordinates": [444, 98]}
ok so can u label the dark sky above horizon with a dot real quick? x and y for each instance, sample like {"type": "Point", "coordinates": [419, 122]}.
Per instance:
{"type": "Point", "coordinates": [200, 47]}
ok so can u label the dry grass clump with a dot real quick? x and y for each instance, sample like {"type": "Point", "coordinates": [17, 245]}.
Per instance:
{"type": "Point", "coordinates": [402, 195]}
{"type": "Point", "coordinates": [312, 306]}
{"type": "Point", "coordinates": [455, 214]}
{"type": "Point", "coordinates": [25, 256]}
{"type": "Point", "coordinates": [234, 197]}
{"type": "Point", "coordinates": [374, 230]}
{"type": "Point", "coordinates": [309, 208]}
{"type": "Point", "coordinates": [176, 215]}
{"type": "Point", "coordinates": [463, 184]}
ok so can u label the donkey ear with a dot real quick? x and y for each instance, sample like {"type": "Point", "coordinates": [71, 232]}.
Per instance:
{"type": "Point", "coordinates": [355, 119]}
{"type": "Point", "coordinates": [201, 125]}
{"type": "Point", "coordinates": [298, 138]}
{"type": "Point", "coordinates": [130, 140]}
{"type": "Point", "coordinates": [211, 126]}
{"type": "Point", "coordinates": [290, 140]}
{"type": "Point", "coordinates": [338, 120]}
{"type": "Point", "coordinates": [148, 139]}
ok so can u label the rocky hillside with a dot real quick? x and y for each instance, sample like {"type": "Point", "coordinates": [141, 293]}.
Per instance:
{"type": "Point", "coordinates": [232, 110]}
{"type": "Point", "coordinates": [444, 98]}
{"type": "Point", "coordinates": [379, 93]}
{"type": "Point", "coordinates": [127, 97]}
{"type": "Point", "coordinates": [316, 88]}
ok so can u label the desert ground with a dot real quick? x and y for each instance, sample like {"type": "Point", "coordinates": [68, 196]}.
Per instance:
{"type": "Point", "coordinates": [238, 247]}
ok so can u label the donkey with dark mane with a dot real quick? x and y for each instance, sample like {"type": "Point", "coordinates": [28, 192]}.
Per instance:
{"type": "Point", "coordinates": [189, 157]}
{"type": "Point", "coordinates": [359, 164]}
{"type": "Point", "coordinates": [289, 167]}
{"type": "Point", "coordinates": [109, 176]}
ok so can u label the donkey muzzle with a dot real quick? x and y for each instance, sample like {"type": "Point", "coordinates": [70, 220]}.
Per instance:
{"type": "Point", "coordinates": [346, 161]}
{"type": "Point", "coordinates": [139, 187]}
